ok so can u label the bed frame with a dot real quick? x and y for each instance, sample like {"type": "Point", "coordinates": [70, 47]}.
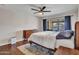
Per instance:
{"type": "Point", "coordinates": [42, 46]}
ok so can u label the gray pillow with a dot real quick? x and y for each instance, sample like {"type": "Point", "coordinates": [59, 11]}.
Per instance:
{"type": "Point", "coordinates": [65, 35]}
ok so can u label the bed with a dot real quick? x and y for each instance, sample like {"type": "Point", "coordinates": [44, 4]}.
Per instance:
{"type": "Point", "coordinates": [48, 39]}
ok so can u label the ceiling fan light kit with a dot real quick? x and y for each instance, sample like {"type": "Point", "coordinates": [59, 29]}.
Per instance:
{"type": "Point", "coordinates": [40, 13]}
{"type": "Point", "coordinates": [41, 10]}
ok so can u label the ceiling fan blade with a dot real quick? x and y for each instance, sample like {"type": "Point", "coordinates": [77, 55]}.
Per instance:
{"type": "Point", "coordinates": [34, 9]}
{"type": "Point", "coordinates": [43, 8]}
{"type": "Point", "coordinates": [46, 11]}
{"type": "Point", "coordinates": [36, 12]}
{"type": "Point", "coordinates": [39, 13]}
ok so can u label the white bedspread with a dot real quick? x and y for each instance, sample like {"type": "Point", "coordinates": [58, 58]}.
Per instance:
{"type": "Point", "coordinates": [46, 38]}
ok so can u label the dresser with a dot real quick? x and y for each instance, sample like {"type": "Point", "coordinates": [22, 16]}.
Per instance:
{"type": "Point", "coordinates": [77, 35]}
{"type": "Point", "coordinates": [26, 34]}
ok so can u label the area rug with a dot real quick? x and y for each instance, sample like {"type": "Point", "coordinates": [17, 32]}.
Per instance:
{"type": "Point", "coordinates": [33, 50]}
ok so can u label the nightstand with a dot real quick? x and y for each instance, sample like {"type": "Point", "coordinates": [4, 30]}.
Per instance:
{"type": "Point", "coordinates": [26, 34]}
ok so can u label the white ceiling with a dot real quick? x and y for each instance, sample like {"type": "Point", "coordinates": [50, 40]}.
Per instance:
{"type": "Point", "coordinates": [55, 8]}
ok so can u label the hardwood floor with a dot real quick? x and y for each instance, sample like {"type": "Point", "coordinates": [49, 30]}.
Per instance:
{"type": "Point", "coordinates": [66, 51]}
{"type": "Point", "coordinates": [12, 49]}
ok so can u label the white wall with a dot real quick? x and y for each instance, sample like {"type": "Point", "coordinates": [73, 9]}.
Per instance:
{"type": "Point", "coordinates": [74, 19]}
{"type": "Point", "coordinates": [15, 18]}
{"type": "Point", "coordinates": [78, 12]}
{"type": "Point", "coordinates": [73, 13]}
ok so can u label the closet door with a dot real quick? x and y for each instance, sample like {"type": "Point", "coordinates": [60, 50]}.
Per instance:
{"type": "Point", "coordinates": [77, 35]}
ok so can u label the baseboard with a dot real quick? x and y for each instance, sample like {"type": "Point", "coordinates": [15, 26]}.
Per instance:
{"type": "Point", "coordinates": [8, 41]}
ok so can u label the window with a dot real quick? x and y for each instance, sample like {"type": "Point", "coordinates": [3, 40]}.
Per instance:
{"type": "Point", "coordinates": [56, 25]}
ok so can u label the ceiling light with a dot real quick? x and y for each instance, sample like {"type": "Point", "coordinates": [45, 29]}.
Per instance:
{"type": "Point", "coordinates": [40, 13]}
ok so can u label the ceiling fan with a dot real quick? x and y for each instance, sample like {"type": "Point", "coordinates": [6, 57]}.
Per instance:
{"type": "Point", "coordinates": [41, 10]}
